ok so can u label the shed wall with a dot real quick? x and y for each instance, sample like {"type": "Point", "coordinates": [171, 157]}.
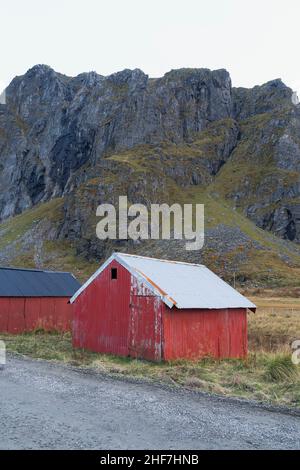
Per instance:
{"type": "Point", "coordinates": [101, 313]}
{"type": "Point", "coordinates": [145, 326]}
{"type": "Point", "coordinates": [21, 314]}
{"type": "Point", "coordinates": [118, 316]}
{"type": "Point", "coordinates": [196, 333]}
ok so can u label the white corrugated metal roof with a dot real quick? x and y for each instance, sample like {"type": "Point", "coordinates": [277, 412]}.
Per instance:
{"type": "Point", "coordinates": [183, 285]}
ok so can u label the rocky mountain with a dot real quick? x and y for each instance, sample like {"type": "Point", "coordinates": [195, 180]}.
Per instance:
{"type": "Point", "coordinates": [69, 144]}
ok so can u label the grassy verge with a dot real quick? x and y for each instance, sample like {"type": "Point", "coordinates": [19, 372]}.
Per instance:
{"type": "Point", "coordinates": [266, 375]}
{"type": "Point", "coordinates": [263, 376]}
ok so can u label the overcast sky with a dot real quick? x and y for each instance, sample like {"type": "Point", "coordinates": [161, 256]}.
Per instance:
{"type": "Point", "coordinates": [255, 40]}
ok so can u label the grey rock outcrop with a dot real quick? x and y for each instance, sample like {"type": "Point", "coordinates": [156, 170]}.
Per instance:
{"type": "Point", "coordinates": [58, 132]}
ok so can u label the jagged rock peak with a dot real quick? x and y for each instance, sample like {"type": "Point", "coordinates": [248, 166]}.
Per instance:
{"type": "Point", "coordinates": [40, 69]}
{"type": "Point", "coordinates": [87, 79]}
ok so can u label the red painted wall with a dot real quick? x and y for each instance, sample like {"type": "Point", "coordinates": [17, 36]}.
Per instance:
{"type": "Point", "coordinates": [145, 324]}
{"type": "Point", "coordinates": [197, 333]}
{"type": "Point", "coordinates": [118, 316]}
{"type": "Point", "coordinates": [123, 317]}
{"type": "Point", "coordinates": [101, 313]}
{"type": "Point", "coordinates": [20, 314]}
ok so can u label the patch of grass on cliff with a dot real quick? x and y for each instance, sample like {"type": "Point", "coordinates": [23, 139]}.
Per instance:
{"type": "Point", "coordinates": [142, 157]}
{"type": "Point", "coordinates": [252, 162]}
{"type": "Point", "coordinates": [57, 255]}
{"type": "Point", "coordinates": [23, 259]}
{"type": "Point", "coordinates": [62, 257]}
{"type": "Point", "coordinates": [245, 177]}
{"type": "Point", "coordinates": [12, 229]}
{"type": "Point", "coordinates": [272, 269]}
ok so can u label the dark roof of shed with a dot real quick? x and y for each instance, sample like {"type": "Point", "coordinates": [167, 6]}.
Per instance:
{"type": "Point", "coordinates": [19, 282]}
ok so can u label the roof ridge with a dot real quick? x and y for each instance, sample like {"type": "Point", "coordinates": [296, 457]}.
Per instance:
{"type": "Point", "coordinates": [9, 268]}
{"type": "Point", "coordinates": [159, 259]}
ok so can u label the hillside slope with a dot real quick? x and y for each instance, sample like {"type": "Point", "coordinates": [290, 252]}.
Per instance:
{"type": "Point", "coordinates": [234, 247]}
{"type": "Point", "coordinates": [69, 144]}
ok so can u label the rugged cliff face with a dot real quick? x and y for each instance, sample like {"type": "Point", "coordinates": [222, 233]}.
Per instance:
{"type": "Point", "coordinates": [52, 125]}
{"type": "Point", "coordinates": [186, 136]}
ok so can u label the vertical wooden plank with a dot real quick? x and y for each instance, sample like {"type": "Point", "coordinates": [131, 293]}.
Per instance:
{"type": "Point", "coordinates": [4, 314]}
{"type": "Point", "coordinates": [32, 312]}
{"type": "Point", "coordinates": [16, 320]}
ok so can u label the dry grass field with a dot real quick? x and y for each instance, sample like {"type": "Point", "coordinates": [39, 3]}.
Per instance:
{"type": "Point", "coordinates": [275, 325]}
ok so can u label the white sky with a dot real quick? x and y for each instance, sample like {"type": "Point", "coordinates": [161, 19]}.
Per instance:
{"type": "Point", "coordinates": [255, 40]}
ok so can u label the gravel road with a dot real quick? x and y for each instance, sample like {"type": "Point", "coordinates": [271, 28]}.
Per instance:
{"type": "Point", "coordinates": [49, 406]}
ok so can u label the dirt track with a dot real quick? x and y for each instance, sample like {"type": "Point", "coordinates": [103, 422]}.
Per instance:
{"type": "Point", "coordinates": [48, 406]}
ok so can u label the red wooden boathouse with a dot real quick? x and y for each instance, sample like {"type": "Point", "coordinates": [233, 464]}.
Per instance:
{"type": "Point", "coordinates": [159, 310]}
{"type": "Point", "coordinates": [31, 299]}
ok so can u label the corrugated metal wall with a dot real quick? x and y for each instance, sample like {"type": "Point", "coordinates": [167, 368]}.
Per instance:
{"type": "Point", "coordinates": [145, 326]}
{"type": "Point", "coordinates": [197, 333]}
{"type": "Point", "coordinates": [118, 316]}
{"type": "Point", "coordinates": [20, 314]}
{"type": "Point", "coordinates": [101, 313]}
